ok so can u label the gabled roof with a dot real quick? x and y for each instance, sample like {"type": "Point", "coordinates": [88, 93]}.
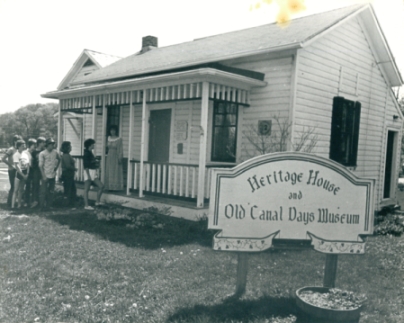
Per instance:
{"type": "Point", "coordinates": [100, 60]}
{"type": "Point", "coordinates": [262, 39]}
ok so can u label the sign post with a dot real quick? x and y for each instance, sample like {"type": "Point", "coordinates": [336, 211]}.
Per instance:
{"type": "Point", "coordinates": [290, 196]}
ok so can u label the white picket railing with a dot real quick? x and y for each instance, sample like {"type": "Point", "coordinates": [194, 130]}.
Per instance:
{"type": "Point", "coordinates": [169, 179]}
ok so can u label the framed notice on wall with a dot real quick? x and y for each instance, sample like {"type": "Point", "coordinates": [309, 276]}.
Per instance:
{"type": "Point", "coordinates": [181, 130]}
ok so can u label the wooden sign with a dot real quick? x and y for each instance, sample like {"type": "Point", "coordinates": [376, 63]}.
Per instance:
{"type": "Point", "coordinates": [293, 196]}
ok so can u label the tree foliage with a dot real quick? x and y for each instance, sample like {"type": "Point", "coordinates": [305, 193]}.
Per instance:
{"type": "Point", "coordinates": [30, 121]}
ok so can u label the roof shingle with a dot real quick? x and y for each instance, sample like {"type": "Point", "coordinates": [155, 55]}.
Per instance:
{"type": "Point", "coordinates": [223, 46]}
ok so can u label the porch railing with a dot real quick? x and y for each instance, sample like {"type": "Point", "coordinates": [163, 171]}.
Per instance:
{"type": "Point", "coordinates": [169, 179]}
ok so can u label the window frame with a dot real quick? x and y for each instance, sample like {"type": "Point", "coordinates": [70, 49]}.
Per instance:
{"type": "Point", "coordinates": [345, 127]}
{"type": "Point", "coordinates": [216, 103]}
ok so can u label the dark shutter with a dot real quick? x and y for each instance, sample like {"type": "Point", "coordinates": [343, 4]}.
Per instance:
{"type": "Point", "coordinates": [356, 122]}
{"type": "Point", "coordinates": [336, 123]}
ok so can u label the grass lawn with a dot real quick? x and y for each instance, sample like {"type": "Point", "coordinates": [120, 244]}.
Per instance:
{"type": "Point", "coordinates": [69, 266]}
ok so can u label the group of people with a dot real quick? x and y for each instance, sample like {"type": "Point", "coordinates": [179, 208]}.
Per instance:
{"type": "Point", "coordinates": [32, 170]}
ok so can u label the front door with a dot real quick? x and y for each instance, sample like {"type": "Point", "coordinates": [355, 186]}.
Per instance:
{"type": "Point", "coordinates": [159, 135]}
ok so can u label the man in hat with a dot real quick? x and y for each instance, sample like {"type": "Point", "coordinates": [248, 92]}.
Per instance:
{"type": "Point", "coordinates": [49, 161]}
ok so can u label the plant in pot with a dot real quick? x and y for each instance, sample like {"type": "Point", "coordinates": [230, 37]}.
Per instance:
{"type": "Point", "coordinates": [325, 304]}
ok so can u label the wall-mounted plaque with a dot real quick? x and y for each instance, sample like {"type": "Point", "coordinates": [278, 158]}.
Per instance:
{"type": "Point", "coordinates": [181, 130]}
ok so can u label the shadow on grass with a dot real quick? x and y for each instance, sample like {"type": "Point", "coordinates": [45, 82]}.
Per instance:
{"type": "Point", "coordinates": [265, 308]}
{"type": "Point", "coordinates": [175, 231]}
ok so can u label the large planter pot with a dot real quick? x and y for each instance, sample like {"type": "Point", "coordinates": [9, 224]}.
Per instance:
{"type": "Point", "coordinates": [326, 315]}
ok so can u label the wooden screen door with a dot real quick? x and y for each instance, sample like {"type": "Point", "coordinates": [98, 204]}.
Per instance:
{"type": "Point", "coordinates": [159, 135]}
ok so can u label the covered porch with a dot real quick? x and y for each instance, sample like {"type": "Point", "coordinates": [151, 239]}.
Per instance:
{"type": "Point", "coordinates": [185, 174]}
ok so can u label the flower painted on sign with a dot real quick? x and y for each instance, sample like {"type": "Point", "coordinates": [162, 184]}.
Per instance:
{"type": "Point", "coordinates": [286, 9]}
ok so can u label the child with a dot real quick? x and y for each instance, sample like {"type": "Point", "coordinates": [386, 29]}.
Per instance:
{"type": "Point", "coordinates": [90, 164]}
{"type": "Point", "coordinates": [21, 164]}
{"type": "Point", "coordinates": [28, 183]}
{"type": "Point", "coordinates": [49, 161]}
{"type": "Point", "coordinates": [68, 170]}
{"type": "Point", "coordinates": [8, 159]}
{"type": "Point", "coordinates": [36, 172]}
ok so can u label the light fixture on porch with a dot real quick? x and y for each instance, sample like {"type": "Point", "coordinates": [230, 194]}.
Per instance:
{"type": "Point", "coordinates": [99, 111]}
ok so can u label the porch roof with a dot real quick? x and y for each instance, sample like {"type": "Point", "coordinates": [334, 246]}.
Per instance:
{"type": "Point", "coordinates": [212, 75]}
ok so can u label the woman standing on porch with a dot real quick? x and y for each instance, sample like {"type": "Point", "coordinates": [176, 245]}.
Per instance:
{"type": "Point", "coordinates": [113, 169]}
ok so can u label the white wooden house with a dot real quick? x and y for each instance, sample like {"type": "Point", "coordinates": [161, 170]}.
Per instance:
{"type": "Point", "coordinates": [185, 108]}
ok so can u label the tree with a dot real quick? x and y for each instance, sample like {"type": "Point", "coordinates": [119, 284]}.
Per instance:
{"type": "Point", "coordinates": [30, 121]}
{"type": "Point", "coordinates": [277, 140]}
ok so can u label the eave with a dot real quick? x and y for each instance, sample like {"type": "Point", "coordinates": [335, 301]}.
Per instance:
{"type": "Point", "coordinates": [143, 83]}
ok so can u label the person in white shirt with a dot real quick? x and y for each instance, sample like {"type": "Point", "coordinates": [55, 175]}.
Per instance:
{"type": "Point", "coordinates": [21, 164]}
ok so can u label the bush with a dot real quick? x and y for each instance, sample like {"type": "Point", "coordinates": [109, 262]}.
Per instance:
{"type": "Point", "coordinates": [390, 224]}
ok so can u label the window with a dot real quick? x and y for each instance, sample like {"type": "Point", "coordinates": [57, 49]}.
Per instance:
{"type": "Point", "coordinates": [224, 132]}
{"type": "Point", "coordinates": [345, 131]}
{"type": "Point", "coordinates": [113, 117]}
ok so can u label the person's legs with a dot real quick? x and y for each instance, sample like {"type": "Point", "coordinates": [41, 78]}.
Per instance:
{"type": "Point", "coordinates": [20, 192]}
{"type": "Point", "coordinates": [72, 191]}
{"type": "Point", "coordinates": [28, 190]}
{"type": "Point", "coordinates": [87, 185]}
{"type": "Point", "coordinates": [100, 187]}
{"type": "Point", "coordinates": [36, 186]}
{"type": "Point", "coordinates": [15, 191]}
{"type": "Point", "coordinates": [11, 178]}
{"type": "Point", "coordinates": [42, 196]}
{"type": "Point", "coordinates": [51, 191]}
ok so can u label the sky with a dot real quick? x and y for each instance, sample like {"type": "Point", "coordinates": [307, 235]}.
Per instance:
{"type": "Point", "coordinates": [41, 39]}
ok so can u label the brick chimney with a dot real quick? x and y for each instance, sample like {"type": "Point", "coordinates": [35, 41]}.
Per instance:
{"type": "Point", "coordinates": [148, 43]}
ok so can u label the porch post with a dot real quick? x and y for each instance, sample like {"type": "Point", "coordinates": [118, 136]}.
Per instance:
{"type": "Point", "coordinates": [131, 116]}
{"type": "Point", "coordinates": [94, 122]}
{"type": "Point", "coordinates": [141, 179]}
{"type": "Point", "coordinates": [103, 137]}
{"type": "Point", "coordinates": [60, 132]}
{"type": "Point", "coordinates": [203, 144]}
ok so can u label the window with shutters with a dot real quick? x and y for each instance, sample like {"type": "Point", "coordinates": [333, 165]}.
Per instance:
{"type": "Point", "coordinates": [345, 131]}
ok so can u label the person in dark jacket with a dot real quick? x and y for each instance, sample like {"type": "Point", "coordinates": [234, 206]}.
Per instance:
{"type": "Point", "coordinates": [91, 165]}
{"type": "Point", "coordinates": [68, 172]}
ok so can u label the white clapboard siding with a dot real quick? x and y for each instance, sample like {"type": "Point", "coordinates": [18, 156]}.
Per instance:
{"type": "Point", "coordinates": [73, 132]}
{"type": "Point", "coordinates": [195, 133]}
{"type": "Point", "coordinates": [137, 132]}
{"type": "Point", "coordinates": [318, 82]}
{"type": "Point", "coordinates": [124, 129]}
{"type": "Point", "coordinates": [266, 102]}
